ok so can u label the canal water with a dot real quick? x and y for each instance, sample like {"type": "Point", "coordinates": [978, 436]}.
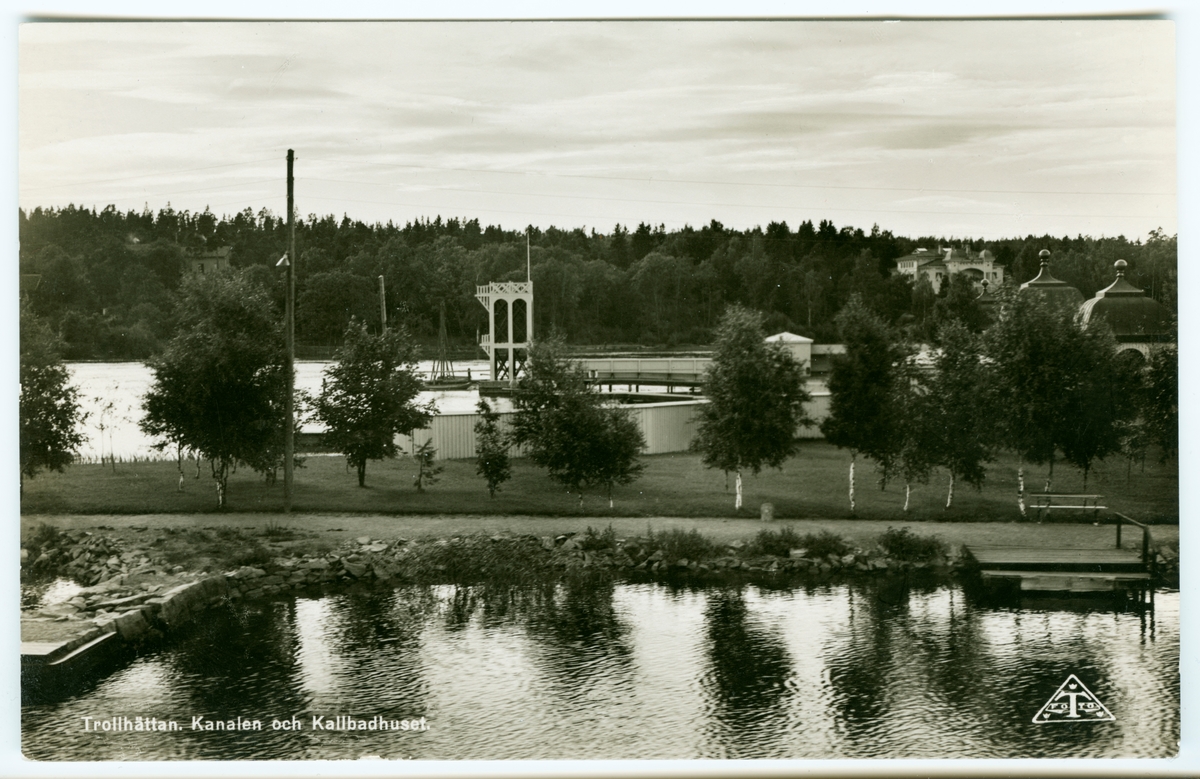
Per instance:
{"type": "Point", "coordinates": [595, 670]}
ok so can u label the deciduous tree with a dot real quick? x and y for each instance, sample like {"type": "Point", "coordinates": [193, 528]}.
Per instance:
{"type": "Point", "coordinates": [756, 402]}
{"type": "Point", "coordinates": [49, 404]}
{"type": "Point", "coordinates": [425, 456]}
{"type": "Point", "coordinates": [1059, 387]}
{"type": "Point", "coordinates": [369, 395]}
{"type": "Point", "coordinates": [1162, 400]}
{"type": "Point", "coordinates": [914, 457]}
{"type": "Point", "coordinates": [220, 385]}
{"type": "Point", "coordinates": [862, 406]}
{"type": "Point", "coordinates": [958, 420]}
{"type": "Point", "coordinates": [959, 305]}
{"type": "Point", "coordinates": [568, 429]}
{"type": "Point", "coordinates": [491, 448]}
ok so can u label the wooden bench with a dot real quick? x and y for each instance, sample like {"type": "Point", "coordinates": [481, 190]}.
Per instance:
{"type": "Point", "coordinates": [1045, 501]}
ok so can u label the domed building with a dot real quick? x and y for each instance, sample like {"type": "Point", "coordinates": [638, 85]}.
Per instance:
{"type": "Point", "coordinates": [1138, 322]}
{"type": "Point", "coordinates": [1054, 290]}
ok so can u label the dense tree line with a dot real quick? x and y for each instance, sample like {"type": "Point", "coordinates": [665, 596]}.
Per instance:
{"type": "Point", "coordinates": [110, 280]}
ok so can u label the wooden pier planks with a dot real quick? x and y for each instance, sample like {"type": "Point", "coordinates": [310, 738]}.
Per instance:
{"type": "Point", "coordinates": [1053, 581]}
{"type": "Point", "coordinates": [1052, 569]}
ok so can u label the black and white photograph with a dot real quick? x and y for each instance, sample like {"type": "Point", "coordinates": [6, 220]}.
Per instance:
{"type": "Point", "coordinates": [721, 390]}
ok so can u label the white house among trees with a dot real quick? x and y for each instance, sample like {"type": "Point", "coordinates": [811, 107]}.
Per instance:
{"type": "Point", "coordinates": [949, 261]}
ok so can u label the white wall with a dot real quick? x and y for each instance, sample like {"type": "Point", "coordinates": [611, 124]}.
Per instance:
{"type": "Point", "coordinates": [667, 427]}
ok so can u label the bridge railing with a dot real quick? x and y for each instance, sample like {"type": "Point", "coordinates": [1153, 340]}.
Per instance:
{"type": "Point", "coordinates": [1121, 519]}
{"type": "Point", "coordinates": [647, 369]}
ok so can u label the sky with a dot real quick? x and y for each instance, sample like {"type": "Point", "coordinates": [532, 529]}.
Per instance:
{"type": "Point", "coordinates": [970, 129]}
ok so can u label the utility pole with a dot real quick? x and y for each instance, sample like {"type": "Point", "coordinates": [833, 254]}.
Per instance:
{"type": "Point", "coordinates": [382, 306]}
{"type": "Point", "coordinates": [289, 433]}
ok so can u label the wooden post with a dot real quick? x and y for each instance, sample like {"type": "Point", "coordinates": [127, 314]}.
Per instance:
{"type": "Point", "coordinates": [289, 443]}
{"type": "Point", "coordinates": [383, 307]}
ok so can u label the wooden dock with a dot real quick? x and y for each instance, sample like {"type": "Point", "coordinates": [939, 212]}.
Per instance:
{"type": "Point", "coordinates": [1049, 569]}
{"type": "Point", "coordinates": [1062, 570]}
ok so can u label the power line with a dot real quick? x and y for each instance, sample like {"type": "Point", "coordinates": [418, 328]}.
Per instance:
{"type": "Point", "coordinates": [146, 175]}
{"type": "Point", "coordinates": [730, 205]}
{"type": "Point", "coordinates": [795, 208]}
{"type": "Point", "coordinates": [222, 186]}
{"type": "Point", "coordinates": [737, 183]}
{"type": "Point", "coordinates": [527, 213]}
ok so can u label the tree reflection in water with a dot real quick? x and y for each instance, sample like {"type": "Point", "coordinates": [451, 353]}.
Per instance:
{"type": "Point", "coordinates": [745, 684]}
{"type": "Point", "coordinates": [586, 668]}
{"type": "Point", "coordinates": [915, 657]}
{"type": "Point", "coordinates": [374, 637]}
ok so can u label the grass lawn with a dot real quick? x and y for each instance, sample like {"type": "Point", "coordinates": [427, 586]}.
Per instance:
{"type": "Point", "coordinates": [811, 485]}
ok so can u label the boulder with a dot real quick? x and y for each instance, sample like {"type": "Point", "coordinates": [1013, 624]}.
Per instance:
{"type": "Point", "coordinates": [131, 624]}
{"type": "Point", "coordinates": [115, 603]}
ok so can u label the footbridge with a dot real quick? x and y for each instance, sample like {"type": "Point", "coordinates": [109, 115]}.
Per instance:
{"type": "Point", "coordinates": [634, 372]}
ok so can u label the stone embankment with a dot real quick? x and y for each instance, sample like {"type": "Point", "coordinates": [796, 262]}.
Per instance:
{"type": "Point", "coordinates": [132, 592]}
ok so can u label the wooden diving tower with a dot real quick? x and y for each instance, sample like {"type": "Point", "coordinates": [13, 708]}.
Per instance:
{"type": "Point", "coordinates": [510, 325]}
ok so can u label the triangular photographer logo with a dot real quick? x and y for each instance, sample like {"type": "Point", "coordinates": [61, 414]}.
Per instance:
{"type": "Point", "coordinates": [1073, 702]}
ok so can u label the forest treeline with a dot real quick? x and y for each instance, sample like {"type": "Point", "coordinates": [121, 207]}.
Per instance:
{"type": "Point", "coordinates": [109, 279]}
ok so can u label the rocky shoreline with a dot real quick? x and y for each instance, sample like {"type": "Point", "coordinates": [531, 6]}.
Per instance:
{"type": "Point", "coordinates": [132, 590]}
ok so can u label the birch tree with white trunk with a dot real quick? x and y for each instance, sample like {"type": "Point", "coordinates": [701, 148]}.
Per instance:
{"type": "Point", "coordinates": [756, 402]}
{"type": "Point", "coordinates": [863, 413]}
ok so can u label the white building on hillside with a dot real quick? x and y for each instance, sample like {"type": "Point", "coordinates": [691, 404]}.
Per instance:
{"type": "Point", "coordinates": [948, 261]}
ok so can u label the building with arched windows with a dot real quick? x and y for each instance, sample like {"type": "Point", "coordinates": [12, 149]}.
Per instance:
{"type": "Point", "coordinates": [947, 261]}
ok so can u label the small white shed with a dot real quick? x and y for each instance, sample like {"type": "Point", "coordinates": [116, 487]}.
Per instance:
{"type": "Point", "coordinates": [799, 347]}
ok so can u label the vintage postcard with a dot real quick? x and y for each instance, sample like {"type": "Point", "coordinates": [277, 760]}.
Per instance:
{"type": "Point", "coordinates": [657, 390]}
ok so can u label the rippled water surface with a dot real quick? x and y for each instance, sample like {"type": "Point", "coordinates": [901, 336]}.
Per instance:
{"type": "Point", "coordinates": [596, 670]}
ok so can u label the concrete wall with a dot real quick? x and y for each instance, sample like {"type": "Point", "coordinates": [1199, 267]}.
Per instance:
{"type": "Point", "coordinates": [667, 427]}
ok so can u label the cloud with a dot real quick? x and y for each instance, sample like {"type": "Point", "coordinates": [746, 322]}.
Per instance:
{"type": "Point", "coordinates": [1020, 106]}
